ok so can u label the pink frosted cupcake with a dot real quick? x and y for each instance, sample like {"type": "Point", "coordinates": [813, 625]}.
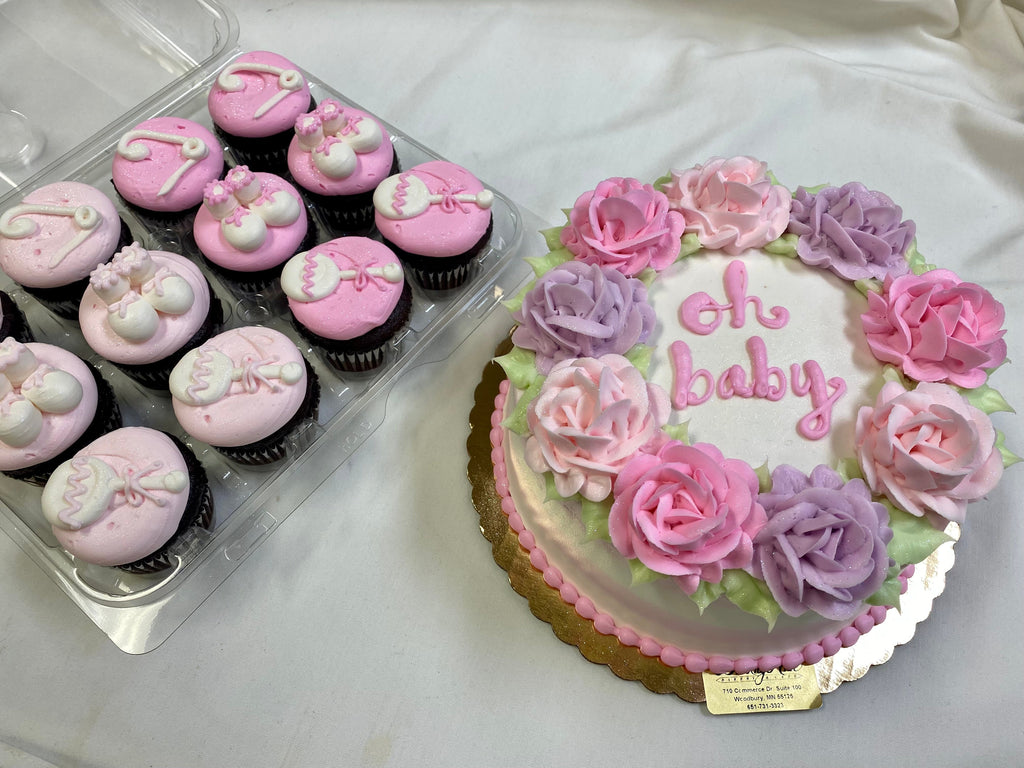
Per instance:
{"type": "Point", "coordinates": [126, 499]}
{"type": "Point", "coordinates": [249, 225]}
{"type": "Point", "coordinates": [245, 392]}
{"type": "Point", "coordinates": [162, 166]}
{"type": "Point", "coordinates": [437, 218]}
{"type": "Point", "coordinates": [51, 404]}
{"type": "Point", "coordinates": [348, 298]}
{"type": "Point", "coordinates": [56, 236]}
{"type": "Point", "coordinates": [254, 103]}
{"type": "Point", "coordinates": [338, 156]}
{"type": "Point", "coordinates": [145, 309]}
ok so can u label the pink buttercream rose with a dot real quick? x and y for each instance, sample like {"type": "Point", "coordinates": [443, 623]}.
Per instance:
{"type": "Point", "coordinates": [928, 450]}
{"type": "Point", "coordinates": [590, 417]}
{"type": "Point", "coordinates": [731, 204]}
{"type": "Point", "coordinates": [624, 224]}
{"type": "Point", "coordinates": [936, 328]}
{"type": "Point", "coordinates": [686, 511]}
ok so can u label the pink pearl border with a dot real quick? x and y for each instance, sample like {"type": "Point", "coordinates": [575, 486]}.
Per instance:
{"type": "Point", "coordinates": [667, 654]}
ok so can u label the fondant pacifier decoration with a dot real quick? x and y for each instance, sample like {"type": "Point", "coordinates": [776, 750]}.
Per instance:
{"type": "Point", "coordinates": [205, 375]}
{"type": "Point", "coordinates": [314, 275]}
{"type": "Point", "coordinates": [288, 81]}
{"type": "Point", "coordinates": [137, 291]}
{"type": "Point", "coordinates": [245, 205]}
{"type": "Point", "coordinates": [193, 149]}
{"type": "Point", "coordinates": [406, 195]}
{"type": "Point", "coordinates": [81, 489]}
{"type": "Point", "coordinates": [85, 218]}
{"type": "Point", "coordinates": [28, 390]}
{"type": "Point", "coordinates": [334, 139]}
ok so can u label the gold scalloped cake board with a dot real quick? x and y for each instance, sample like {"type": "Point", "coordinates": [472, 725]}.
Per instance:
{"type": "Point", "coordinates": [875, 647]}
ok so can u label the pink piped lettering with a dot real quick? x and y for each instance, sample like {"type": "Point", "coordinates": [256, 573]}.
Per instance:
{"type": "Point", "coordinates": [684, 377]}
{"type": "Point", "coordinates": [816, 424]}
{"type": "Point", "coordinates": [735, 284]}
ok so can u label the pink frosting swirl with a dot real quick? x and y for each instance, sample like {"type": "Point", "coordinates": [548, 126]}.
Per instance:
{"type": "Point", "coordinates": [590, 417]}
{"type": "Point", "coordinates": [928, 450]}
{"type": "Point", "coordinates": [686, 511]}
{"type": "Point", "coordinates": [936, 328]}
{"type": "Point", "coordinates": [624, 224]}
{"type": "Point", "coordinates": [730, 204]}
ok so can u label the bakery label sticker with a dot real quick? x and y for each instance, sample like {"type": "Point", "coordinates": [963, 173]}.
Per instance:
{"type": "Point", "coordinates": [775, 691]}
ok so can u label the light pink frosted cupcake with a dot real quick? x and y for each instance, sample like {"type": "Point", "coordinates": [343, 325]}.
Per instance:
{"type": "Point", "coordinates": [338, 156]}
{"type": "Point", "coordinates": [245, 392]}
{"type": "Point", "coordinates": [145, 309]}
{"type": "Point", "coordinates": [51, 404]}
{"type": "Point", "coordinates": [249, 225]}
{"type": "Point", "coordinates": [126, 499]}
{"type": "Point", "coordinates": [437, 217]}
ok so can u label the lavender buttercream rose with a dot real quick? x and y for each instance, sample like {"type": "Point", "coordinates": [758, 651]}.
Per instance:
{"type": "Point", "coordinates": [582, 310]}
{"type": "Point", "coordinates": [936, 327]}
{"type": "Point", "coordinates": [730, 204]}
{"type": "Point", "coordinates": [853, 231]}
{"type": "Point", "coordinates": [686, 511]}
{"type": "Point", "coordinates": [624, 224]}
{"type": "Point", "coordinates": [823, 547]}
{"type": "Point", "coordinates": [928, 450]}
{"type": "Point", "coordinates": [590, 417]}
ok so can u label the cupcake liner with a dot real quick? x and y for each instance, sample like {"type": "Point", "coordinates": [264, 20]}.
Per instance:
{"type": "Point", "coordinates": [198, 512]}
{"type": "Point", "coordinates": [346, 214]}
{"type": "Point", "coordinates": [262, 153]}
{"type": "Point", "coordinates": [14, 323]}
{"type": "Point", "coordinates": [106, 419]}
{"type": "Point", "coordinates": [442, 273]}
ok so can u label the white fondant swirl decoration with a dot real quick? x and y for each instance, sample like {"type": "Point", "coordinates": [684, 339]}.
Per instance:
{"type": "Point", "coordinates": [288, 81]}
{"type": "Point", "coordinates": [193, 149]}
{"type": "Point", "coordinates": [15, 226]}
{"type": "Point", "coordinates": [28, 390]}
{"type": "Point", "coordinates": [246, 205]}
{"type": "Point", "coordinates": [334, 139]}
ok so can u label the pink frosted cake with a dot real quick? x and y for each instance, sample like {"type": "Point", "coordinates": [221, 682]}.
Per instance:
{"type": "Point", "coordinates": [126, 498]}
{"type": "Point", "coordinates": [348, 298]}
{"type": "Point", "coordinates": [251, 223]}
{"type": "Point", "coordinates": [51, 404]}
{"type": "Point", "coordinates": [245, 392]}
{"type": "Point", "coordinates": [437, 218]}
{"type": "Point", "coordinates": [339, 155]}
{"type": "Point", "coordinates": [689, 455]}
{"type": "Point", "coordinates": [145, 309]}
{"type": "Point", "coordinates": [254, 103]}
{"type": "Point", "coordinates": [56, 236]}
{"type": "Point", "coordinates": [162, 165]}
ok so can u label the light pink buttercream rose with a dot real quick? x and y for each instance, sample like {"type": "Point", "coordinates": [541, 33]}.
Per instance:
{"type": "Point", "coordinates": [936, 328]}
{"type": "Point", "coordinates": [928, 450]}
{"type": "Point", "coordinates": [591, 416]}
{"type": "Point", "coordinates": [730, 204]}
{"type": "Point", "coordinates": [686, 511]}
{"type": "Point", "coordinates": [624, 224]}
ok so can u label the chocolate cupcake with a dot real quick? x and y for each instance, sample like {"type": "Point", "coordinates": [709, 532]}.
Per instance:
{"type": "Point", "coordinates": [12, 320]}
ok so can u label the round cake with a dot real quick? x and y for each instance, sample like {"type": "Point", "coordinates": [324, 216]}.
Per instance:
{"type": "Point", "coordinates": [736, 417]}
{"type": "Point", "coordinates": [56, 236]}
{"type": "Point", "coordinates": [125, 498]}
{"type": "Point", "coordinates": [348, 297]}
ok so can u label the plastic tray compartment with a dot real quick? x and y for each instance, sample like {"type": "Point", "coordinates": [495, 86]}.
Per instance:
{"type": "Point", "coordinates": [139, 612]}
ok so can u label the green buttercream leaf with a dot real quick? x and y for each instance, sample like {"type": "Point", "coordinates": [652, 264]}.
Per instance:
{"type": "Point", "coordinates": [764, 478]}
{"type": "Point", "coordinates": [706, 594]}
{"type": "Point", "coordinates": [891, 373]}
{"type": "Point", "coordinates": [889, 592]}
{"type": "Point", "coordinates": [642, 574]}
{"type": "Point", "coordinates": [848, 469]}
{"type": "Point", "coordinates": [550, 491]}
{"type": "Point", "coordinates": [816, 188]}
{"type": "Point", "coordinates": [520, 367]}
{"type": "Point", "coordinates": [516, 421]}
{"type": "Point", "coordinates": [552, 236]}
{"type": "Point", "coordinates": [690, 244]}
{"type": "Point", "coordinates": [661, 181]}
{"type": "Point", "coordinates": [1009, 458]}
{"type": "Point", "coordinates": [595, 519]}
{"type": "Point", "coordinates": [751, 595]}
{"type": "Point", "coordinates": [916, 261]}
{"type": "Point", "coordinates": [680, 432]}
{"type": "Point", "coordinates": [514, 304]}
{"type": "Point", "coordinates": [639, 355]}
{"type": "Point", "coordinates": [647, 276]}
{"type": "Point", "coordinates": [986, 399]}
{"type": "Point", "coordinates": [913, 538]}
{"type": "Point", "coordinates": [543, 264]}
{"type": "Point", "coordinates": [783, 246]}
{"type": "Point", "coordinates": [868, 285]}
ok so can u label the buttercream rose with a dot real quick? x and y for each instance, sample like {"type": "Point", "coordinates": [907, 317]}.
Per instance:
{"type": "Point", "coordinates": [928, 450]}
{"type": "Point", "coordinates": [936, 328]}
{"type": "Point", "coordinates": [823, 547]}
{"type": "Point", "coordinates": [686, 511]}
{"type": "Point", "coordinates": [853, 231]}
{"type": "Point", "coordinates": [582, 310]}
{"type": "Point", "coordinates": [590, 417]}
{"type": "Point", "coordinates": [730, 204]}
{"type": "Point", "coordinates": [624, 224]}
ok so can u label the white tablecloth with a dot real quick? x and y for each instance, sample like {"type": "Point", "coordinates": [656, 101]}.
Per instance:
{"type": "Point", "coordinates": [373, 627]}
